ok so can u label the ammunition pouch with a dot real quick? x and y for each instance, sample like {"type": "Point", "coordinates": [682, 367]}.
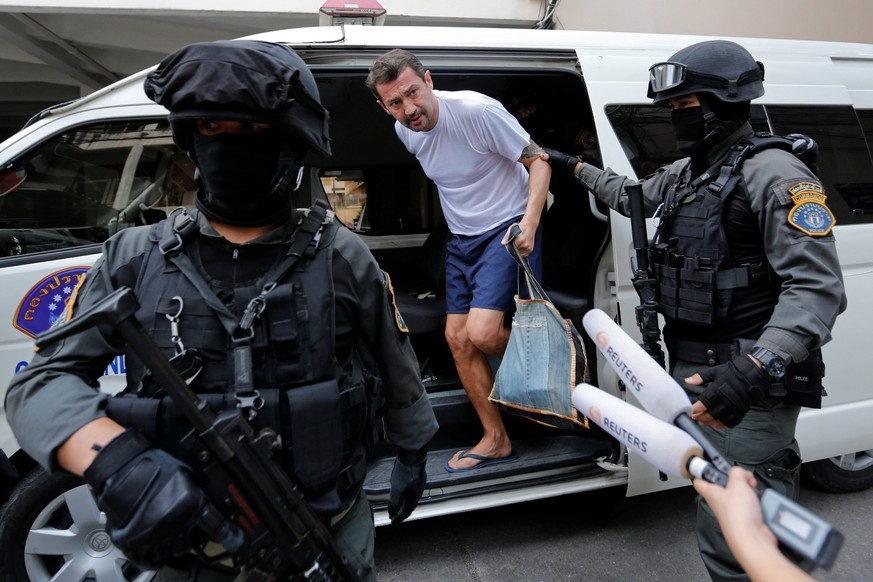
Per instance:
{"type": "Point", "coordinates": [693, 291]}
{"type": "Point", "coordinates": [320, 429]}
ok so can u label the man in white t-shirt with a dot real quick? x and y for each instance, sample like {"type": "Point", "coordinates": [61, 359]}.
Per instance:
{"type": "Point", "coordinates": [476, 152]}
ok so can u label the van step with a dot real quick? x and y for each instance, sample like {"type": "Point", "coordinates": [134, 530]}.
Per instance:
{"type": "Point", "coordinates": [537, 456]}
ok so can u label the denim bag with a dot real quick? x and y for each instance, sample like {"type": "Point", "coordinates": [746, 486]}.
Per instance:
{"type": "Point", "coordinates": [543, 362]}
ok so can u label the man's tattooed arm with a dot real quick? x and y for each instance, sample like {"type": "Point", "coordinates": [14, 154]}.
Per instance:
{"type": "Point", "coordinates": [531, 152]}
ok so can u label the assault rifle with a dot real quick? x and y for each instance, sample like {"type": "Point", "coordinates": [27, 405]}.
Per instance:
{"type": "Point", "coordinates": [644, 282]}
{"type": "Point", "coordinates": [284, 537]}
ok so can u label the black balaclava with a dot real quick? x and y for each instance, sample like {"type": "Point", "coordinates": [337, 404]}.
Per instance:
{"type": "Point", "coordinates": [697, 129]}
{"type": "Point", "coordinates": [244, 179]}
{"type": "Point", "coordinates": [690, 128]}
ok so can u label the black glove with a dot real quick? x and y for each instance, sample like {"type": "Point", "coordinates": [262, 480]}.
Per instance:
{"type": "Point", "coordinates": [733, 388]}
{"type": "Point", "coordinates": [561, 160]}
{"type": "Point", "coordinates": [151, 504]}
{"type": "Point", "coordinates": [407, 484]}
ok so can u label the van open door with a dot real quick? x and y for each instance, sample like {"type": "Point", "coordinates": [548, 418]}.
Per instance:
{"type": "Point", "coordinates": [616, 85]}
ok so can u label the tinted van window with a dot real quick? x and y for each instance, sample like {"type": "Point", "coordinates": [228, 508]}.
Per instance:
{"type": "Point", "coordinates": [865, 116]}
{"type": "Point", "coordinates": [845, 165]}
{"type": "Point", "coordinates": [82, 186]}
{"type": "Point", "coordinates": [645, 134]}
{"type": "Point", "coordinates": [844, 162]}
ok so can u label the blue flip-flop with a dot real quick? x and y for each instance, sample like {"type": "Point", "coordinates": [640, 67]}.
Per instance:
{"type": "Point", "coordinates": [483, 461]}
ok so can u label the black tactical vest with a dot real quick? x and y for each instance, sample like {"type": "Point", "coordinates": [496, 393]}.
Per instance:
{"type": "Point", "coordinates": [713, 275]}
{"type": "Point", "coordinates": [319, 406]}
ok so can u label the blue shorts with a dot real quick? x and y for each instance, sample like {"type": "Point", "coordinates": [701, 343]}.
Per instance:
{"type": "Point", "coordinates": [481, 273]}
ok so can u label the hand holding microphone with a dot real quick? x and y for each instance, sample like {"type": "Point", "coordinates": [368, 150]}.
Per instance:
{"type": "Point", "coordinates": [736, 505]}
{"type": "Point", "coordinates": [811, 540]}
{"type": "Point", "coordinates": [738, 510]}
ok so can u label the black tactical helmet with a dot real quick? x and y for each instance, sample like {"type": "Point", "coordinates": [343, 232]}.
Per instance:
{"type": "Point", "coordinates": [243, 80]}
{"type": "Point", "coordinates": [720, 68]}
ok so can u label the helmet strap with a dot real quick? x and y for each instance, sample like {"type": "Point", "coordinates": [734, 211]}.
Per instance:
{"type": "Point", "coordinates": [290, 173]}
{"type": "Point", "coordinates": [717, 128]}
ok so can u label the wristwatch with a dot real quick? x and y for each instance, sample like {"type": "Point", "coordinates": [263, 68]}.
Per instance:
{"type": "Point", "coordinates": [772, 364]}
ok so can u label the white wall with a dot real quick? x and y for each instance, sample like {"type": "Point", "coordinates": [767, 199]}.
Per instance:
{"type": "Point", "coordinates": [844, 20]}
{"type": "Point", "coordinates": [847, 20]}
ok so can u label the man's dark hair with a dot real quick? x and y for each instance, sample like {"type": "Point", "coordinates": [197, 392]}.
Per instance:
{"type": "Point", "coordinates": [388, 66]}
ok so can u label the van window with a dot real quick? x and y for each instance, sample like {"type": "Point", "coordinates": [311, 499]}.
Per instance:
{"type": "Point", "coordinates": [845, 165]}
{"type": "Point", "coordinates": [347, 194]}
{"type": "Point", "coordinates": [382, 200]}
{"type": "Point", "coordinates": [646, 134]}
{"type": "Point", "coordinates": [82, 186]}
{"type": "Point", "coordinates": [865, 116]}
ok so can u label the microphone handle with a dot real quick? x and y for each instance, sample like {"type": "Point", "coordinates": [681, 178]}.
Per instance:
{"type": "Point", "coordinates": [685, 422]}
{"type": "Point", "coordinates": [705, 470]}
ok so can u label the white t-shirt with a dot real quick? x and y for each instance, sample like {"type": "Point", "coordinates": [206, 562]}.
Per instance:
{"type": "Point", "coordinates": [472, 155]}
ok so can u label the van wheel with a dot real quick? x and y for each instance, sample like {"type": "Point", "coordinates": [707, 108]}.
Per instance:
{"type": "Point", "coordinates": [843, 474]}
{"type": "Point", "coordinates": [51, 528]}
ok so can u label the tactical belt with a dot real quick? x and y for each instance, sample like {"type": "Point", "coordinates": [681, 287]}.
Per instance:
{"type": "Point", "coordinates": [709, 353]}
{"type": "Point", "coordinates": [802, 385]}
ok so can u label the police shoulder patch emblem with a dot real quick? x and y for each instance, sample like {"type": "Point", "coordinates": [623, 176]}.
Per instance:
{"type": "Point", "coordinates": [49, 301]}
{"type": "Point", "coordinates": [398, 319]}
{"type": "Point", "coordinates": [810, 214]}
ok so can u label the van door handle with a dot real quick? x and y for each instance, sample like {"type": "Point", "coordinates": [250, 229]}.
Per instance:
{"type": "Point", "coordinates": [595, 212]}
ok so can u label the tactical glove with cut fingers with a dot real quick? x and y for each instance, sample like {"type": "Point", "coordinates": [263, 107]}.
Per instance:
{"type": "Point", "coordinates": [560, 160]}
{"type": "Point", "coordinates": [733, 388]}
{"type": "Point", "coordinates": [152, 505]}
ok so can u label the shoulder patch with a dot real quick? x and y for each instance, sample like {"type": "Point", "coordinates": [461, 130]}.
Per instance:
{"type": "Point", "coordinates": [810, 214]}
{"type": "Point", "coordinates": [398, 319]}
{"type": "Point", "coordinates": [49, 301]}
{"type": "Point", "coordinates": [585, 139]}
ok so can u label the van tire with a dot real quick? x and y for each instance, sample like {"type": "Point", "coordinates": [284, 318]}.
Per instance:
{"type": "Point", "coordinates": [844, 474]}
{"type": "Point", "coordinates": [41, 501]}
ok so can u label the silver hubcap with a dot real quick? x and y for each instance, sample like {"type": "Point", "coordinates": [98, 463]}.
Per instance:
{"type": "Point", "coordinates": [854, 461]}
{"type": "Point", "coordinates": [83, 550]}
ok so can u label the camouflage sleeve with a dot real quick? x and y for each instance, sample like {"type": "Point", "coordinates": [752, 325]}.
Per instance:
{"type": "Point", "coordinates": [797, 226]}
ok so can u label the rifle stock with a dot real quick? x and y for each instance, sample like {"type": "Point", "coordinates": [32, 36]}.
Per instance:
{"type": "Point", "coordinates": [284, 535]}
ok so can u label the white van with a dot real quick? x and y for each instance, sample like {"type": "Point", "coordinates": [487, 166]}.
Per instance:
{"type": "Point", "coordinates": [83, 170]}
